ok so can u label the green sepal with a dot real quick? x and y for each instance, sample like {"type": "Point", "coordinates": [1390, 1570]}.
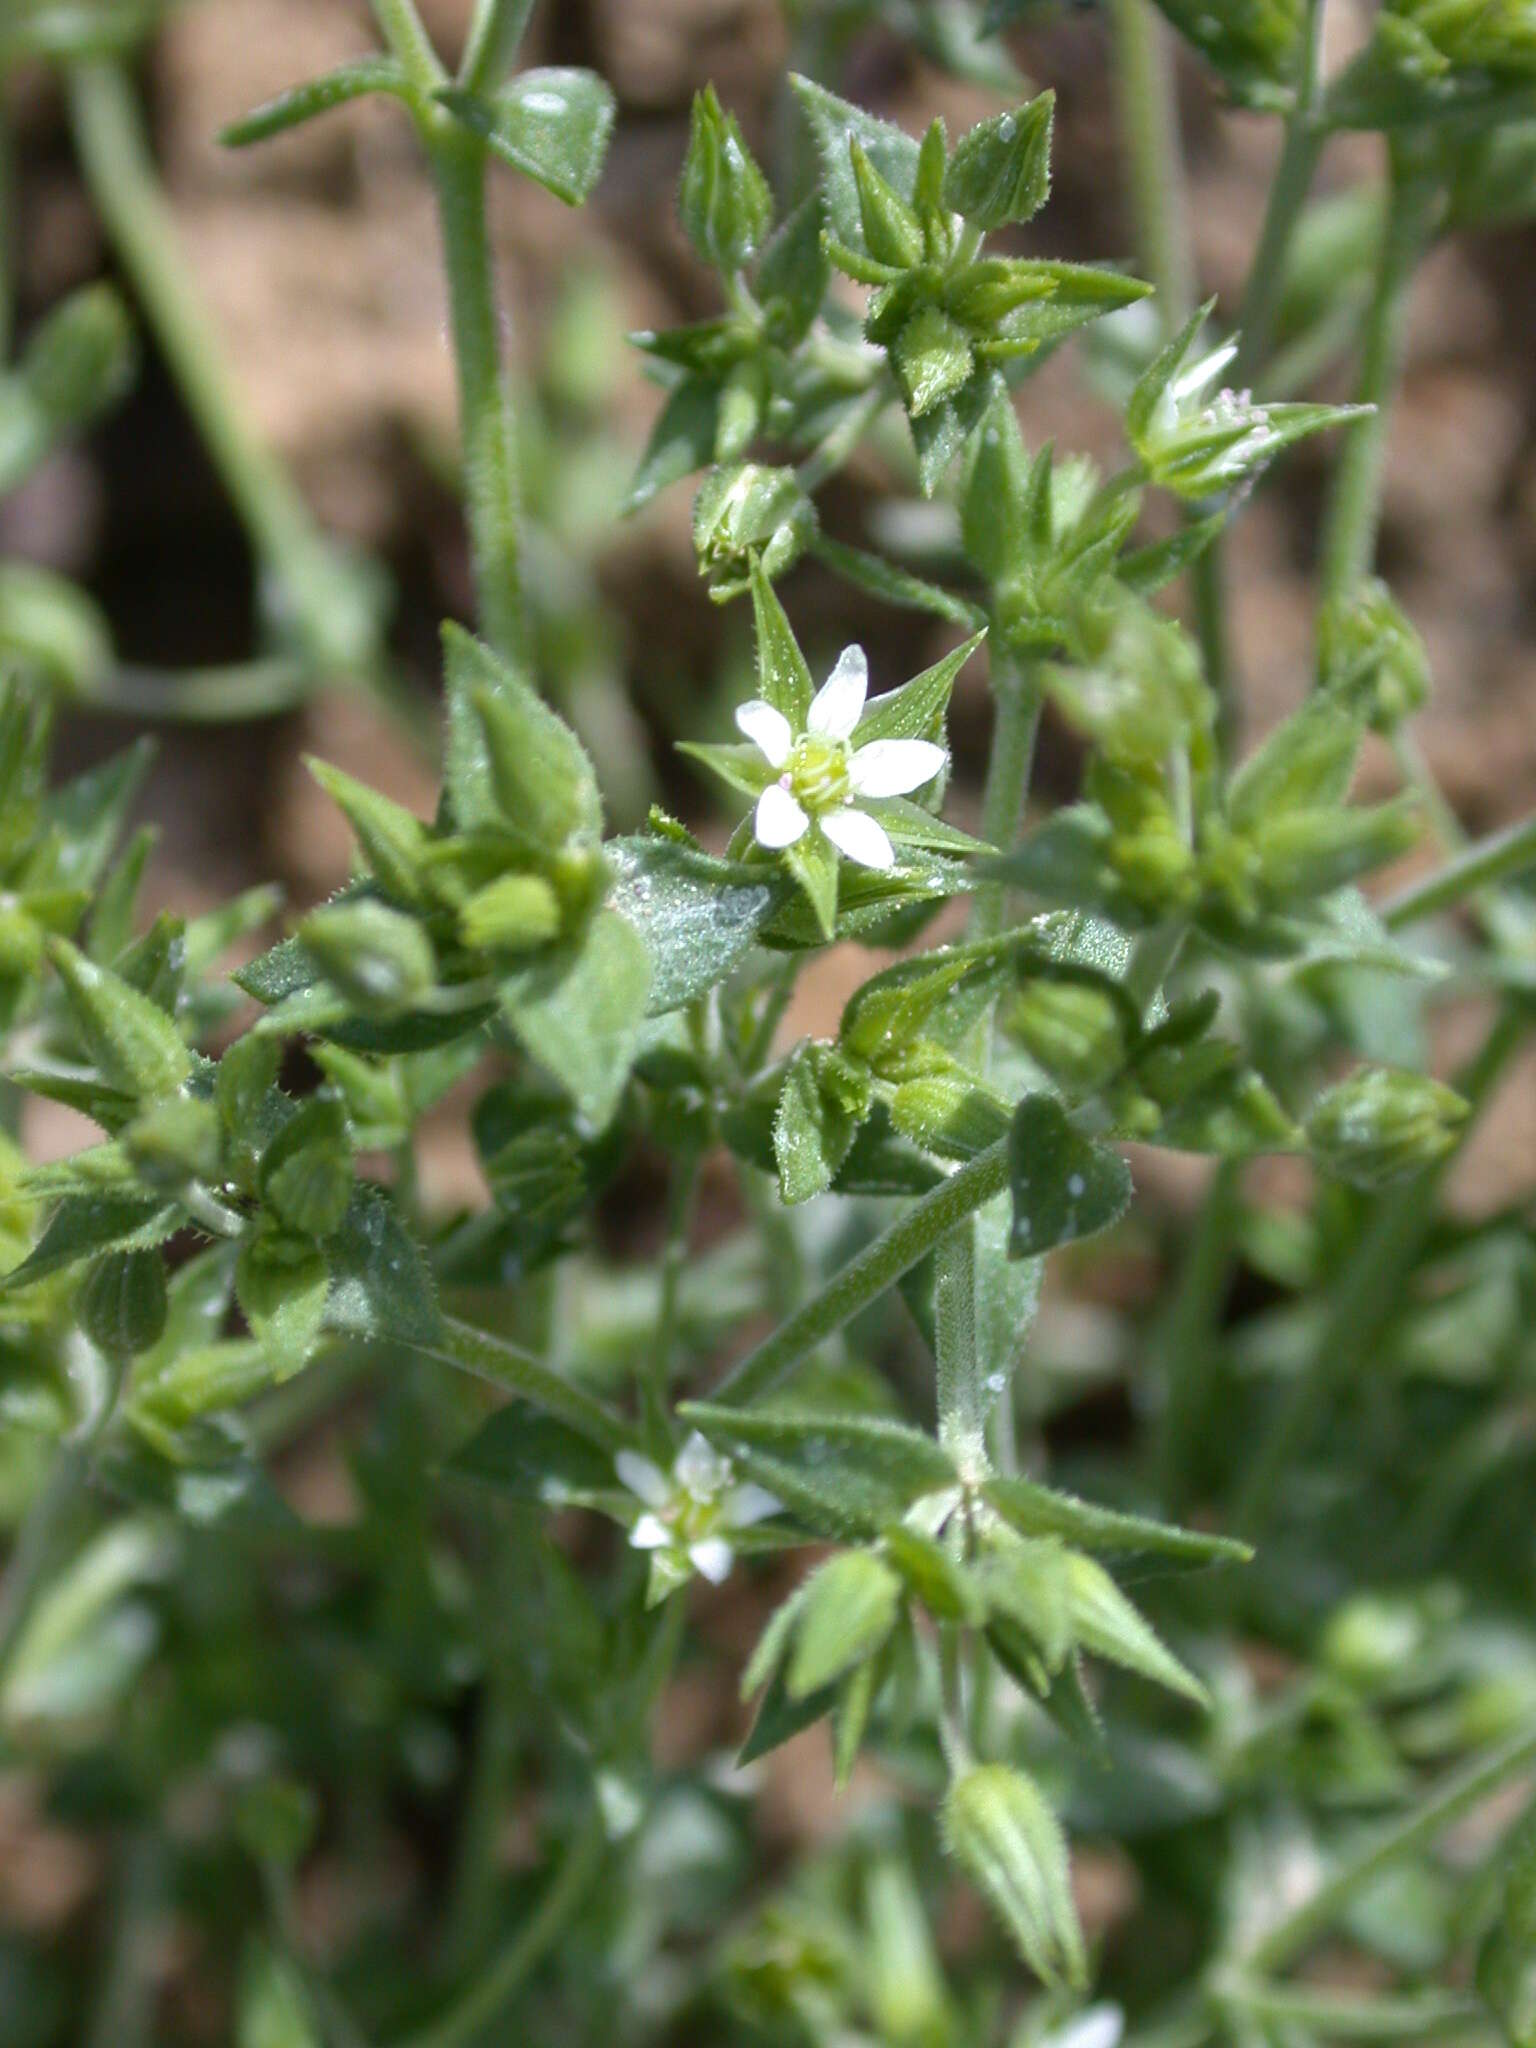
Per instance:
{"type": "Point", "coordinates": [1106, 1624]}
{"type": "Point", "coordinates": [824, 1098]}
{"type": "Point", "coordinates": [916, 710]}
{"type": "Point", "coordinates": [305, 1173]}
{"type": "Point", "coordinates": [933, 360]}
{"type": "Point", "coordinates": [392, 839]}
{"type": "Point", "coordinates": [682, 440]}
{"type": "Point", "coordinates": [724, 200]}
{"type": "Point", "coordinates": [135, 1045]}
{"type": "Point", "coordinates": [892, 234]}
{"type": "Point", "coordinates": [783, 677]}
{"type": "Point", "coordinates": [121, 1305]}
{"type": "Point", "coordinates": [814, 862]}
{"type": "Point", "coordinates": [1000, 173]}
{"type": "Point", "coordinates": [380, 961]}
{"type": "Point", "coordinates": [849, 1610]}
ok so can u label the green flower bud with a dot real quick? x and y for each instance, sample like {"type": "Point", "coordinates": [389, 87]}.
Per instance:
{"type": "Point", "coordinates": [1370, 656]}
{"type": "Point", "coordinates": [726, 206]}
{"type": "Point", "coordinates": [121, 1305]}
{"type": "Point", "coordinates": [21, 943]}
{"type": "Point", "coordinates": [1372, 1638]}
{"type": "Point", "coordinates": [746, 509]}
{"type": "Point", "coordinates": [1383, 1123]}
{"type": "Point", "coordinates": [174, 1142]}
{"type": "Point", "coordinates": [998, 1826]}
{"type": "Point", "coordinates": [893, 234]}
{"type": "Point", "coordinates": [376, 957]}
{"type": "Point", "coordinates": [1074, 1030]}
{"type": "Point", "coordinates": [1001, 172]}
{"type": "Point", "coordinates": [305, 1176]}
{"type": "Point", "coordinates": [81, 359]}
{"type": "Point", "coordinates": [516, 914]}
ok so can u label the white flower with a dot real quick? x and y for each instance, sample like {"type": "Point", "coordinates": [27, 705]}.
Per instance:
{"type": "Point", "coordinates": [821, 772]}
{"type": "Point", "coordinates": [691, 1511]}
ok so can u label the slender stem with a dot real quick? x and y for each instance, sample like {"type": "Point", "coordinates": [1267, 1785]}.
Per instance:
{"type": "Point", "coordinates": [8, 237]}
{"type": "Point", "coordinates": [1354, 511]}
{"type": "Point", "coordinates": [1184, 1342]}
{"type": "Point", "coordinates": [879, 1266]}
{"type": "Point", "coordinates": [494, 34]}
{"type": "Point", "coordinates": [1304, 138]}
{"type": "Point", "coordinates": [518, 1372]}
{"type": "Point", "coordinates": [400, 26]}
{"type": "Point", "coordinates": [1479, 866]}
{"type": "Point", "coordinates": [1017, 696]}
{"type": "Point", "coordinates": [125, 2003]}
{"type": "Point", "coordinates": [781, 987]}
{"type": "Point", "coordinates": [1457, 1793]}
{"type": "Point", "coordinates": [488, 423]}
{"type": "Point", "coordinates": [1146, 98]}
{"type": "Point", "coordinates": [1347, 2016]}
{"type": "Point", "coordinates": [333, 605]}
{"type": "Point", "coordinates": [674, 1258]}
{"type": "Point", "coordinates": [963, 1402]}
{"type": "Point", "coordinates": [1365, 1295]}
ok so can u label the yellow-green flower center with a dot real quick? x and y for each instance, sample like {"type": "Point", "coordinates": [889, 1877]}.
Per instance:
{"type": "Point", "coordinates": [818, 773]}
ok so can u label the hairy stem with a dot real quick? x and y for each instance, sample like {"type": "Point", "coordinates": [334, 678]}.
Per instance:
{"type": "Point", "coordinates": [1498, 858]}
{"type": "Point", "coordinates": [518, 1372]}
{"type": "Point", "coordinates": [879, 1266]}
{"type": "Point", "coordinates": [1146, 99]}
{"type": "Point", "coordinates": [1017, 696]}
{"type": "Point", "coordinates": [494, 34]}
{"type": "Point", "coordinates": [963, 1402]}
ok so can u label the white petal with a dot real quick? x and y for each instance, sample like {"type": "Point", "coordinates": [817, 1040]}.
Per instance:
{"type": "Point", "coordinates": [767, 729]}
{"type": "Point", "coordinates": [859, 838]}
{"type": "Point", "coordinates": [699, 1468]}
{"type": "Point", "coordinates": [1202, 374]}
{"type": "Point", "coordinates": [650, 1533]}
{"type": "Point", "coordinates": [747, 1503]}
{"type": "Point", "coordinates": [779, 820]}
{"type": "Point", "coordinates": [712, 1558]}
{"type": "Point", "coordinates": [838, 704]}
{"type": "Point", "coordinates": [643, 1478]}
{"type": "Point", "coordinates": [895, 767]}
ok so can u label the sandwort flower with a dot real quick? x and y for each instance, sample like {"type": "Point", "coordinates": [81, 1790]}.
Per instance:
{"type": "Point", "coordinates": [691, 1512]}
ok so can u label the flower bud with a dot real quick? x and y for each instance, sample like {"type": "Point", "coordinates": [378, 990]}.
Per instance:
{"type": "Point", "coordinates": [81, 358]}
{"type": "Point", "coordinates": [1000, 173]}
{"type": "Point", "coordinates": [1072, 1029]}
{"type": "Point", "coordinates": [999, 1827]}
{"type": "Point", "coordinates": [121, 1305]}
{"type": "Point", "coordinates": [1371, 657]}
{"type": "Point", "coordinates": [174, 1142]}
{"type": "Point", "coordinates": [1383, 1123]}
{"type": "Point", "coordinates": [725, 203]}
{"type": "Point", "coordinates": [514, 914]}
{"type": "Point", "coordinates": [376, 957]}
{"type": "Point", "coordinates": [749, 508]}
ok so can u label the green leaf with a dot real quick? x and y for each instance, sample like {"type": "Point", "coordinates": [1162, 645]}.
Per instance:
{"type": "Point", "coordinates": [783, 677]}
{"type": "Point", "coordinates": [944, 1587]}
{"type": "Point", "coordinates": [121, 1305]}
{"type": "Point", "coordinates": [303, 102]}
{"type": "Point", "coordinates": [916, 710]}
{"type": "Point", "coordinates": [724, 200]}
{"type": "Point", "coordinates": [1000, 173]}
{"type": "Point", "coordinates": [524, 771]}
{"type": "Point", "coordinates": [135, 1045]}
{"type": "Point", "coordinates": [1036, 1510]}
{"type": "Point", "coordinates": [793, 276]}
{"type": "Point", "coordinates": [1105, 1622]}
{"type": "Point", "coordinates": [779, 1718]}
{"type": "Point", "coordinates": [1064, 1186]}
{"type": "Point", "coordinates": [553, 125]}
{"type": "Point", "coordinates": [305, 1173]}
{"type": "Point", "coordinates": [381, 1286]}
{"type": "Point", "coordinates": [580, 1013]}
{"type": "Point", "coordinates": [835, 123]}
{"type": "Point", "coordinates": [84, 1225]}
{"type": "Point", "coordinates": [849, 1609]}
{"type": "Point", "coordinates": [531, 1456]}
{"type": "Point", "coordinates": [824, 1099]}
{"type": "Point", "coordinates": [682, 440]}
{"type": "Point", "coordinates": [892, 233]}
{"type": "Point", "coordinates": [393, 840]}
{"type": "Point", "coordinates": [281, 1284]}
{"type": "Point", "coordinates": [998, 1826]}
{"type": "Point", "coordinates": [697, 915]}
{"type": "Point", "coordinates": [933, 360]}
{"type": "Point", "coordinates": [841, 1475]}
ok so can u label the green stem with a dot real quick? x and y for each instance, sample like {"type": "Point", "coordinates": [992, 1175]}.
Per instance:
{"type": "Point", "coordinates": [879, 1266]}
{"type": "Point", "coordinates": [1146, 100]}
{"type": "Point", "coordinates": [963, 1402]}
{"type": "Point", "coordinates": [1184, 1343]}
{"type": "Point", "coordinates": [1304, 138]}
{"type": "Point", "coordinates": [1479, 866]}
{"type": "Point", "coordinates": [488, 424]}
{"type": "Point", "coordinates": [1017, 696]}
{"type": "Point", "coordinates": [1367, 1292]}
{"type": "Point", "coordinates": [850, 430]}
{"type": "Point", "coordinates": [494, 34]}
{"type": "Point", "coordinates": [674, 1258]}
{"type": "Point", "coordinates": [516, 1371]}
{"type": "Point", "coordinates": [1458, 1793]}
{"type": "Point", "coordinates": [7, 238]}
{"type": "Point", "coordinates": [488, 1997]}
{"type": "Point", "coordinates": [1354, 510]}
{"type": "Point", "coordinates": [1343, 2016]}
{"type": "Point", "coordinates": [333, 605]}
{"type": "Point", "coordinates": [400, 26]}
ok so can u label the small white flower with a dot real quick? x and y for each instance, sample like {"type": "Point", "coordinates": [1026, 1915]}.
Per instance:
{"type": "Point", "coordinates": [820, 772]}
{"type": "Point", "coordinates": [691, 1511]}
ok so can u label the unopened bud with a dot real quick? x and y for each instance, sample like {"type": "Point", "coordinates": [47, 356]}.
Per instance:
{"type": "Point", "coordinates": [1383, 1123]}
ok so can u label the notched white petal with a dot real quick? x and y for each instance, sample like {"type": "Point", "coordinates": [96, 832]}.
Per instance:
{"type": "Point", "coordinates": [895, 767]}
{"type": "Point", "coordinates": [839, 703]}
{"type": "Point", "coordinates": [712, 1558]}
{"type": "Point", "coordinates": [860, 838]}
{"type": "Point", "coordinates": [767, 729]}
{"type": "Point", "coordinates": [643, 1478]}
{"type": "Point", "coordinates": [779, 819]}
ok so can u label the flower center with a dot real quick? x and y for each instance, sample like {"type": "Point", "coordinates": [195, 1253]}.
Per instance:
{"type": "Point", "coordinates": [818, 773]}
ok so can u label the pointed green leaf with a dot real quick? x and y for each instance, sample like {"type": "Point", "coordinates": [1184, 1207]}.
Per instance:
{"type": "Point", "coordinates": [841, 1475]}
{"type": "Point", "coordinates": [783, 678]}
{"type": "Point", "coordinates": [1064, 1185]}
{"type": "Point", "coordinates": [303, 102]}
{"type": "Point", "coordinates": [134, 1043]}
{"type": "Point", "coordinates": [391, 837]}
{"type": "Point", "coordinates": [553, 125]}
{"type": "Point", "coordinates": [892, 234]}
{"type": "Point", "coordinates": [916, 710]}
{"type": "Point", "coordinates": [682, 440]}
{"type": "Point", "coordinates": [580, 1012]}
{"type": "Point", "coordinates": [1037, 1510]}
{"type": "Point", "coordinates": [849, 1609]}
{"type": "Point", "coordinates": [1105, 1623]}
{"type": "Point", "coordinates": [1000, 172]}
{"type": "Point", "coordinates": [84, 1225]}
{"type": "Point", "coordinates": [835, 123]}
{"type": "Point", "coordinates": [813, 861]}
